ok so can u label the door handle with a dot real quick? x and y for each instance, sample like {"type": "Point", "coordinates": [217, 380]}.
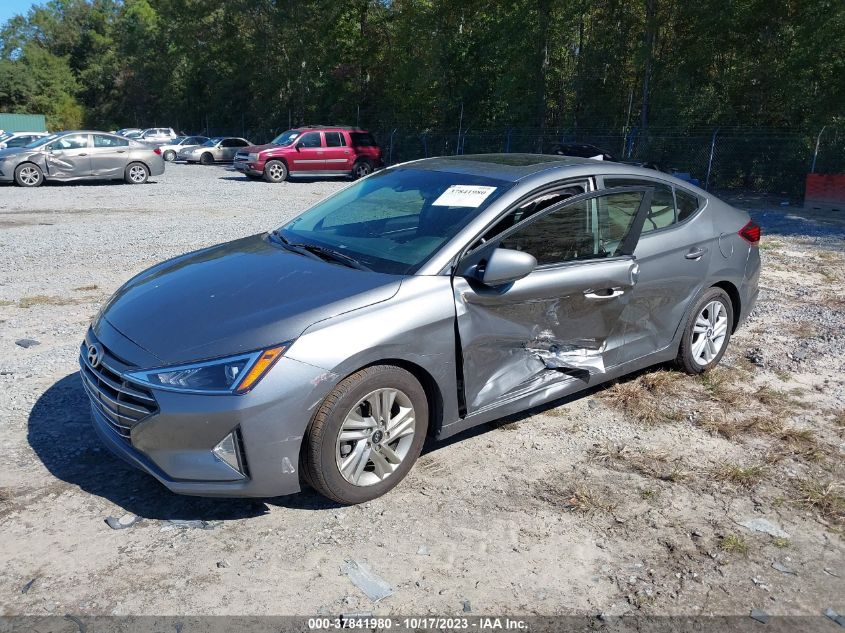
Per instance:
{"type": "Point", "coordinates": [121, 151]}
{"type": "Point", "coordinates": [83, 154]}
{"type": "Point", "coordinates": [606, 293]}
{"type": "Point", "coordinates": [696, 253]}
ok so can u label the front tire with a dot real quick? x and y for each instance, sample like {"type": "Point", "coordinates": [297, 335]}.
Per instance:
{"type": "Point", "coordinates": [169, 156]}
{"type": "Point", "coordinates": [275, 171]}
{"type": "Point", "coordinates": [29, 175]}
{"type": "Point", "coordinates": [136, 174]}
{"type": "Point", "coordinates": [367, 435]}
{"type": "Point", "coordinates": [707, 332]}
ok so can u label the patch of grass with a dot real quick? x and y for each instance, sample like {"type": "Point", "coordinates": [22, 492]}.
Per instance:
{"type": "Point", "coordinates": [739, 476]}
{"type": "Point", "coordinates": [733, 544]}
{"type": "Point", "coordinates": [804, 330]}
{"type": "Point", "coordinates": [801, 443]}
{"type": "Point", "coordinates": [781, 542]}
{"type": "Point", "coordinates": [649, 494]}
{"type": "Point", "coordinates": [770, 397]}
{"type": "Point", "coordinates": [6, 302]}
{"type": "Point", "coordinates": [653, 464]}
{"type": "Point", "coordinates": [783, 375]}
{"type": "Point", "coordinates": [719, 385]}
{"type": "Point", "coordinates": [770, 245]}
{"type": "Point", "coordinates": [645, 397]}
{"type": "Point", "coordinates": [825, 498]}
{"type": "Point", "coordinates": [731, 428]}
{"type": "Point", "coordinates": [44, 300]}
{"type": "Point", "coordinates": [588, 501]}
{"type": "Point", "coordinates": [86, 288]}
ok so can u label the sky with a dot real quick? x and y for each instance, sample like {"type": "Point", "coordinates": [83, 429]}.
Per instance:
{"type": "Point", "coordinates": [10, 8]}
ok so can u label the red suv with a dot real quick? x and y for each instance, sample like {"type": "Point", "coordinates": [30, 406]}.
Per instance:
{"type": "Point", "coordinates": [312, 151]}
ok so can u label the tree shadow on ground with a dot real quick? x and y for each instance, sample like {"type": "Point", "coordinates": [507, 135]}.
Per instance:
{"type": "Point", "coordinates": [61, 435]}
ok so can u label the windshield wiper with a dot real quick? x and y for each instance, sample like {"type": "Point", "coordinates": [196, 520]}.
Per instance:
{"type": "Point", "coordinates": [321, 251]}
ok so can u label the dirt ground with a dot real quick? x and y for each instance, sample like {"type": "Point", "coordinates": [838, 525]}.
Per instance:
{"type": "Point", "coordinates": [629, 499]}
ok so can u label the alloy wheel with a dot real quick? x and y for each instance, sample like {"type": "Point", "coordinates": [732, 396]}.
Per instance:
{"type": "Point", "coordinates": [276, 171]}
{"type": "Point", "coordinates": [375, 437]}
{"type": "Point", "coordinates": [137, 174]}
{"type": "Point", "coordinates": [709, 333]}
{"type": "Point", "coordinates": [30, 176]}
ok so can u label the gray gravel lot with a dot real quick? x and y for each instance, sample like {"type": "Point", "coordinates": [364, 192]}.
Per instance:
{"type": "Point", "coordinates": [579, 507]}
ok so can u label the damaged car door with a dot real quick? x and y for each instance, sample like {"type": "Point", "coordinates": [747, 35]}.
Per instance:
{"type": "Point", "coordinates": [561, 320]}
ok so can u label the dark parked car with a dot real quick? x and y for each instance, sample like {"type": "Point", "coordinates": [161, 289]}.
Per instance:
{"type": "Point", "coordinates": [312, 151]}
{"type": "Point", "coordinates": [423, 300]}
{"type": "Point", "coordinates": [79, 155]}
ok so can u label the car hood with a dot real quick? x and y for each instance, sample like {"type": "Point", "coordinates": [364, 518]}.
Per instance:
{"type": "Point", "coordinates": [236, 297]}
{"type": "Point", "coordinates": [14, 151]}
{"type": "Point", "coordinates": [254, 149]}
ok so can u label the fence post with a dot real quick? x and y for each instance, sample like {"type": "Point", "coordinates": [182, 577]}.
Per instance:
{"type": "Point", "coordinates": [424, 139]}
{"type": "Point", "coordinates": [710, 162]}
{"type": "Point", "coordinates": [390, 154]}
{"type": "Point", "coordinates": [508, 141]}
{"type": "Point", "coordinates": [816, 152]}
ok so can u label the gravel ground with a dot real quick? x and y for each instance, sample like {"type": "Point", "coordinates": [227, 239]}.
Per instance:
{"type": "Point", "coordinates": [584, 506]}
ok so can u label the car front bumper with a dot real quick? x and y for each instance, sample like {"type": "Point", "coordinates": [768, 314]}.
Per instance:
{"type": "Point", "coordinates": [175, 442]}
{"type": "Point", "coordinates": [253, 168]}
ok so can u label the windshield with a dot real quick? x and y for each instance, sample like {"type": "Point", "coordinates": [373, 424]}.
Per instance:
{"type": "Point", "coordinates": [41, 141]}
{"type": "Point", "coordinates": [395, 220]}
{"type": "Point", "coordinates": [179, 140]}
{"type": "Point", "coordinates": [286, 138]}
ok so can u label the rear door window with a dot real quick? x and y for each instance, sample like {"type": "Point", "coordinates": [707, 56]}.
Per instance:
{"type": "Point", "coordinates": [102, 140]}
{"type": "Point", "coordinates": [687, 203]}
{"type": "Point", "coordinates": [334, 139]}
{"type": "Point", "coordinates": [662, 213]}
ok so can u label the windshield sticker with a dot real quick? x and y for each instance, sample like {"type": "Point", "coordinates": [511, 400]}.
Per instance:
{"type": "Point", "coordinates": [463, 196]}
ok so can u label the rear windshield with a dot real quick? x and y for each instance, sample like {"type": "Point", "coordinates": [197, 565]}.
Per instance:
{"type": "Point", "coordinates": [362, 139]}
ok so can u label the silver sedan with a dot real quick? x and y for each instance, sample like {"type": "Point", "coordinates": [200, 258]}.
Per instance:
{"type": "Point", "coordinates": [220, 149]}
{"type": "Point", "coordinates": [420, 301]}
{"type": "Point", "coordinates": [79, 155]}
{"type": "Point", "coordinates": [169, 151]}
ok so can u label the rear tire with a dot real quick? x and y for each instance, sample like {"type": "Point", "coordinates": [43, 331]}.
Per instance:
{"type": "Point", "coordinates": [707, 332]}
{"type": "Point", "coordinates": [206, 159]}
{"type": "Point", "coordinates": [361, 168]}
{"type": "Point", "coordinates": [136, 174]}
{"type": "Point", "coordinates": [275, 171]}
{"type": "Point", "coordinates": [29, 175]}
{"type": "Point", "coordinates": [377, 449]}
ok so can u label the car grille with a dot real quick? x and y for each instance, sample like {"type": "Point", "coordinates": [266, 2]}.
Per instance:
{"type": "Point", "coordinates": [122, 403]}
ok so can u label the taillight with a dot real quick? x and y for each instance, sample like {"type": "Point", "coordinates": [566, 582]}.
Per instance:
{"type": "Point", "coordinates": [157, 150]}
{"type": "Point", "coordinates": [750, 233]}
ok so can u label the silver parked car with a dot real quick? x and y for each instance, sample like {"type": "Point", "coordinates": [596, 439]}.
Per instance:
{"type": "Point", "coordinates": [170, 150]}
{"type": "Point", "coordinates": [157, 135]}
{"type": "Point", "coordinates": [19, 139]}
{"type": "Point", "coordinates": [420, 301]}
{"type": "Point", "coordinates": [220, 149]}
{"type": "Point", "coordinates": [77, 156]}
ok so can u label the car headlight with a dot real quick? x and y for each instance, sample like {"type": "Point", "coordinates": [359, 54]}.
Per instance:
{"type": "Point", "coordinates": [236, 374]}
{"type": "Point", "coordinates": [252, 157]}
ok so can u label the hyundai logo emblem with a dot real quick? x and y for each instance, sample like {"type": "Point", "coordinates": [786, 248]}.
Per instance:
{"type": "Point", "coordinates": [95, 355]}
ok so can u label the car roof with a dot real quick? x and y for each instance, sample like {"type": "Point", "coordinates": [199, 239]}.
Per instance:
{"type": "Point", "coordinates": [520, 167]}
{"type": "Point", "coordinates": [508, 167]}
{"type": "Point", "coordinates": [329, 128]}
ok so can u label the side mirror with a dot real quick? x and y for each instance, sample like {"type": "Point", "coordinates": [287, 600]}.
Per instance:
{"type": "Point", "coordinates": [298, 146]}
{"type": "Point", "coordinates": [506, 265]}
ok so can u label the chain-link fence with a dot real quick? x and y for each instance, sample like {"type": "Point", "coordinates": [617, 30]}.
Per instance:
{"type": "Point", "coordinates": [773, 161]}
